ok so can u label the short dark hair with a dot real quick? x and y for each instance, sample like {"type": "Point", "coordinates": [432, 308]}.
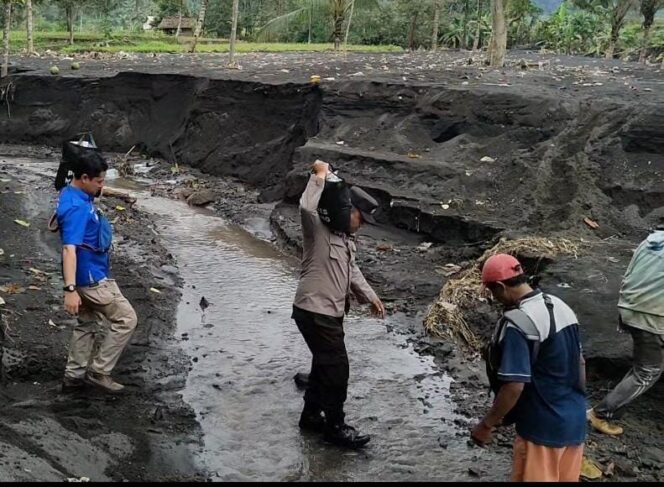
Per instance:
{"type": "Point", "coordinates": [90, 163]}
{"type": "Point", "coordinates": [515, 281]}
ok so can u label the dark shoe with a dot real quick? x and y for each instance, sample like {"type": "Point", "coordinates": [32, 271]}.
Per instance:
{"type": "Point", "coordinates": [312, 421]}
{"type": "Point", "coordinates": [70, 384]}
{"type": "Point", "coordinates": [104, 382]}
{"type": "Point", "coordinates": [345, 436]}
{"type": "Point", "coordinates": [301, 380]}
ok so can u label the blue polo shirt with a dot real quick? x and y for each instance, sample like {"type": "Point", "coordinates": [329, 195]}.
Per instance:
{"type": "Point", "coordinates": [552, 408]}
{"type": "Point", "coordinates": [79, 224]}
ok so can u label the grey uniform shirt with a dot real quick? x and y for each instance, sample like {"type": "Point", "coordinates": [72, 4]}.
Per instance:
{"type": "Point", "coordinates": [329, 272]}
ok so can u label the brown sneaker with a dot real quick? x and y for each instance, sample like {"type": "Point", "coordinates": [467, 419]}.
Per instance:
{"type": "Point", "coordinates": [602, 425]}
{"type": "Point", "coordinates": [104, 382]}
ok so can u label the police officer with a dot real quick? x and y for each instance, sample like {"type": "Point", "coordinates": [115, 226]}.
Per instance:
{"type": "Point", "coordinates": [329, 274]}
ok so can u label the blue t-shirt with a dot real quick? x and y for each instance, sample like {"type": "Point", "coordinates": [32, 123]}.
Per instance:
{"type": "Point", "coordinates": [552, 408]}
{"type": "Point", "coordinates": [79, 224]}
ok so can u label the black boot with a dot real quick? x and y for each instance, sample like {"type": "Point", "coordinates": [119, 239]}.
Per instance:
{"type": "Point", "coordinates": [70, 385]}
{"type": "Point", "coordinates": [301, 380]}
{"type": "Point", "coordinates": [312, 419]}
{"type": "Point", "coordinates": [344, 435]}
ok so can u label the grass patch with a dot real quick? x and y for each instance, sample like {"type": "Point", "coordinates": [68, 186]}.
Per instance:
{"type": "Point", "coordinates": [160, 43]}
{"type": "Point", "coordinates": [217, 47]}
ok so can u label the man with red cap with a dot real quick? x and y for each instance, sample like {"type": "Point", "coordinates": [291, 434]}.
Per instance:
{"type": "Point", "coordinates": [537, 372]}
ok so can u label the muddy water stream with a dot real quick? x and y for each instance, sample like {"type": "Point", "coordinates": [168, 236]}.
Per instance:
{"type": "Point", "coordinates": [245, 350]}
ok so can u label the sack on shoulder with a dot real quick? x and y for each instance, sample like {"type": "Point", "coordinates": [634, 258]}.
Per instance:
{"type": "Point", "coordinates": [334, 207]}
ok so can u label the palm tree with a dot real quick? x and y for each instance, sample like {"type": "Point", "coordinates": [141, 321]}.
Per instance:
{"type": "Point", "coordinates": [335, 10]}
{"type": "Point", "coordinates": [614, 12]}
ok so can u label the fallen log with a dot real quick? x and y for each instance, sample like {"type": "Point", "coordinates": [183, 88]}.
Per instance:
{"type": "Point", "coordinates": [120, 194]}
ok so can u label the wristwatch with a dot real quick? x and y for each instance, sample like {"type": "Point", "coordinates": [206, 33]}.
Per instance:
{"type": "Point", "coordinates": [70, 289]}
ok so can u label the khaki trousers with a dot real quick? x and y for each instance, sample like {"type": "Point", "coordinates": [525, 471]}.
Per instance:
{"type": "Point", "coordinates": [104, 308]}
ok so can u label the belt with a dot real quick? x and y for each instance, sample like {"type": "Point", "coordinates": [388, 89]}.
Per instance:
{"type": "Point", "coordinates": [96, 284]}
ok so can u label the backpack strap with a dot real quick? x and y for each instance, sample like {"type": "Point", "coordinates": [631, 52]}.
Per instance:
{"type": "Point", "coordinates": [523, 322]}
{"type": "Point", "coordinates": [53, 223]}
{"type": "Point", "coordinates": [526, 325]}
{"type": "Point", "coordinates": [552, 318]}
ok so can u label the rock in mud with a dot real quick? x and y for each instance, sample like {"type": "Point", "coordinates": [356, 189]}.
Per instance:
{"type": "Point", "coordinates": [653, 457]}
{"type": "Point", "coordinates": [201, 198]}
{"type": "Point", "coordinates": [184, 193]}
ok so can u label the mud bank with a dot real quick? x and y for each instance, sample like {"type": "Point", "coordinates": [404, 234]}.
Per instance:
{"type": "Point", "coordinates": [230, 128]}
{"type": "Point", "coordinates": [454, 166]}
{"type": "Point", "coordinates": [456, 163]}
{"type": "Point", "coordinates": [458, 156]}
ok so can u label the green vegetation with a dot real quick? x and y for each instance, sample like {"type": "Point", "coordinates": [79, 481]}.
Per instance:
{"type": "Point", "coordinates": [156, 43]}
{"type": "Point", "coordinates": [612, 28]}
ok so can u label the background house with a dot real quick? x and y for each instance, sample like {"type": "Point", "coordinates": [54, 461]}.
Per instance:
{"type": "Point", "coordinates": [169, 25]}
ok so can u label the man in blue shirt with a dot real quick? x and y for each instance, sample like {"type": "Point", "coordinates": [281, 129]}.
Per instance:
{"type": "Point", "coordinates": [541, 375]}
{"type": "Point", "coordinates": [90, 293]}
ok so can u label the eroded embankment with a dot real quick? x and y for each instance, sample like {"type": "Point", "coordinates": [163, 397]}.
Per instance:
{"type": "Point", "coordinates": [454, 167]}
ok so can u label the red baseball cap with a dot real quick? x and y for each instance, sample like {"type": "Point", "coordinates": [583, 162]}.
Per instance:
{"type": "Point", "coordinates": [500, 267]}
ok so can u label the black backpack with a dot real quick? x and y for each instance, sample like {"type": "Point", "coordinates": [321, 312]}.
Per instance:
{"type": "Point", "coordinates": [492, 351]}
{"type": "Point", "coordinates": [72, 150]}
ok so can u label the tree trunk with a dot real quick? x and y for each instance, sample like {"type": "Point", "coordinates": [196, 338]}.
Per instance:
{"type": "Point", "coordinates": [338, 27]}
{"type": "Point", "coordinates": [350, 19]}
{"type": "Point", "coordinates": [648, 10]}
{"type": "Point", "coordinates": [5, 38]}
{"type": "Point", "coordinates": [476, 41]}
{"type": "Point", "coordinates": [236, 13]}
{"type": "Point", "coordinates": [31, 43]}
{"type": "Point", "coordinates": [617, 21]}
{"type": "Point", "coordinates": [611, 48]}
{"type": "Point", "coordinates": [311, 6]}
{"type": "Point", "coordinates": [644, 44]}
{"type": "Point", "coordinates": [411, 32]}
{"type": "Point", "coordinates": [464, 41]}
{"type": "Point", "coordinates": [71, 18]}
{"type": "Point", "coordinates": [436, 22]}
{"type": "Point", "coordinates": [199, 23]}
{"type": "Point", "coordinates": [177, 31]}
{"type": "Point", "coordinates": [498, 44]}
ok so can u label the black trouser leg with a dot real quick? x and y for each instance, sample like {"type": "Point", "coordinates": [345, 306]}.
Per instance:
{"type": "Point", "coordinates": [311, 394]}
{"type": "Point", "coordinates": [328, 381]}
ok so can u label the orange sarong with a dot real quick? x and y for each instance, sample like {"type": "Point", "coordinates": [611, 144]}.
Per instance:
{"type": "Point", "coordinates": [537, 463]}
